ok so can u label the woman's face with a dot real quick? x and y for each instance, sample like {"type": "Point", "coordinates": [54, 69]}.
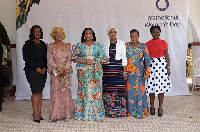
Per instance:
{"type": "Point", "coordinates": [112, 33]}
{"type": "Point", "coordinates": [37, 33]}
{"type": "Point", "coordinates": [155, 33]}
{"type": "Point", "coordinates": [88, 35]}
{"type": "Point", "coordinates": [134, 37]}
{"type": "Point", "coordinates": [58, 36]}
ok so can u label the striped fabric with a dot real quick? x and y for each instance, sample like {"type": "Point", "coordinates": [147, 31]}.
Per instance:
{"type": "Point", "coordinates": [114, 94]}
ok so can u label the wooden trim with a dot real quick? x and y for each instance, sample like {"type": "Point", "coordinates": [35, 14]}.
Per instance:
{"type": "Point", "coordinates": [12, 45]}
{"type": "Point", "coordinates": [196, 44]}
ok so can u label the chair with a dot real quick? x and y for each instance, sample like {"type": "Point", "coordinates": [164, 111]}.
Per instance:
{"type": "Point", "coordinates": [196, 69]}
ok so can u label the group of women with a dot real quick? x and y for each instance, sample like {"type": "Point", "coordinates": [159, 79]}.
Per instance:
{"type": "Point", "coordinates": [128, 71]}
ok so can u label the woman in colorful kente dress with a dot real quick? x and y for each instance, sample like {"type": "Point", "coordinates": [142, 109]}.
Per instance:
{"type": "Point", "coordinates": [114, 74]}
{"type": "Point", "coordinates": [138, 69]}
{"type": "Point", "coordinates": [88, 54]}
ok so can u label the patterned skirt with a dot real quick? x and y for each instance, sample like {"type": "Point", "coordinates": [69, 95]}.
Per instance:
{"type": "Point", "coordinates": [158, 82]}
{"type": "Point", "coordinates": [89, 103]}
{"type": "Point", "coordinates": [137, 104]}
{"type": "Point", "coordinates": [114, 95]}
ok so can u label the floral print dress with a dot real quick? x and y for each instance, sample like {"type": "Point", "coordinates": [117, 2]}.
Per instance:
{"type": "Point", "coordinates": [138, 66]}
{"type": "Point", "coordinates": [61, 103]}
{"type": "Point", "coordinates": [89, 105]}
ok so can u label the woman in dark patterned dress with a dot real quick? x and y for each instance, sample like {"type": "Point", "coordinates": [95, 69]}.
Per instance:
{"type": "Point", "coordinates": [114, 74]}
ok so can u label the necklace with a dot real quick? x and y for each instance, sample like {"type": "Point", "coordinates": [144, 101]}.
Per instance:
{"type": "Point", "coordinates": [134, 46]}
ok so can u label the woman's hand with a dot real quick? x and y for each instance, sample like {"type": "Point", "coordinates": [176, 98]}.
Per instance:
{"type": "Point", "coordinates": [145, 77]}
{"type": "Point", "coordinates": [39, 70]}
{"type": "Point", "coordinates": [104, 61]}
{"type": "Point", "coordinates": [44, 70]}
{"type": "Point", "coordinates": [107, 60]}
{"type": "Point", "coordinates": [90, 62]}
{"type": "Point", "coordinates": [125, 75]}
{"type": "Point", "coordinates": [66, 69]}
{"type": "Point", "coordinates": [61, 71]}
{"type": "Point", "coordinates": [168, 71]}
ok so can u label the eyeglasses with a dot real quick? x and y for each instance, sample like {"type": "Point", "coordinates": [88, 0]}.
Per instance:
{"type": "Point", "coordinates": [58, 34]}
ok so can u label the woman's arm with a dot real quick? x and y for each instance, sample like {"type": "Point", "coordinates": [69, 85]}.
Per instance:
{"type": "Point", "coordinates": [26, 55]}
{"type": "Point", "coordinates": [81, 61]}
{"type": "Point", "coordinates": [147, 62]}
{"type": "Point", "coordinates": [50, 59]}
{"type": "Point", "coordinates": [123, 51]}
{"type": "Point", "coordinates": [168, 62]}
{"type": "Point", "coordinates": [124, 73]}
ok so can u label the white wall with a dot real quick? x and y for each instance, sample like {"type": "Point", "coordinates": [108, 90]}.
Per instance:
{"type": "Point", "coordinates": [195, 11]}
{"type": "Point", "coordinates": [194, 14]}
{"type": "Point", "coordinates": [8, 17]}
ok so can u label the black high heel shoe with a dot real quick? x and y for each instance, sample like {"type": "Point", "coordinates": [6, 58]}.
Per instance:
{"type": "Point", "coordinates": [160, 114]}
{"type": "Point", "coordinates": [38, 121]}
{"type": "Point", "coordinates": [41, 118]}
{"type": "Point", "coordinates": [151, 112]}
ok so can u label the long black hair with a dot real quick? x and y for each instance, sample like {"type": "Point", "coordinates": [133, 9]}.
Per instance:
{"type": "Point", "coordinates": [83, 35]}
{"type": "Point", "coordinates": [31, 36]}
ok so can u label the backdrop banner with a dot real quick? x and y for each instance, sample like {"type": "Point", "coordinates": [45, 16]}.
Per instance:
{"type": "Point", "coordinates": [75, 15]}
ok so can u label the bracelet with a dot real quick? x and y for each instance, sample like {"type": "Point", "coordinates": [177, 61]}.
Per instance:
{"type": "Point", "coordinates": [168, 67]}
{"type": "Point", "coordinates": [124, 72]}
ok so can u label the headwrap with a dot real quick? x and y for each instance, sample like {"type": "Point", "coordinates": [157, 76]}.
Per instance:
{"type": "Point", "coordinates": [110, 27]}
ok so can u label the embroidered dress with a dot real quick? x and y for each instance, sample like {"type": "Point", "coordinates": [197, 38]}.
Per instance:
{"type": "Point", "coordinates": [114, 94]}
{"type": "Point", "coordinates": [61, 103]}
{"type": "Point", "coordinates": [138, 66]}
{"type": "Point", "coordinates": [89, 104]}
{"type": "Point", "coordinates": [158, 82]}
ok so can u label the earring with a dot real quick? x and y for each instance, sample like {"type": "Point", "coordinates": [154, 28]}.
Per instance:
{"type": "Point", "coordinates": [83, 37]}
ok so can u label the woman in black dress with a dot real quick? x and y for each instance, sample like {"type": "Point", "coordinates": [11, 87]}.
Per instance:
{"type": "Point", "coordinates": [35, 57]}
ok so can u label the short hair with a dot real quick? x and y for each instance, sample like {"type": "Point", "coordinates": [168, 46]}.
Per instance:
{"type": "Point", "coordinates": [31, 35]}
{"type": "Point", "coordinates": [83, 34]}
{"type": "Point", "coordinates": [56, 29]}
{"type": "Point", "coordinates": [134, 30]}
{"type": "Point", "coordinates": [153, 27]}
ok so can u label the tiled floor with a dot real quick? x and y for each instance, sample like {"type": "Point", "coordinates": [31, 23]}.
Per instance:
{"type": "Point", "coordinates": [181, 113]}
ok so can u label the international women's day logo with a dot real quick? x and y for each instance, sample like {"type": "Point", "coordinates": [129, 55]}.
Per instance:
{"type": "Point", "coordinates": [162, 9]}
{"type": "Point", "coordinates": [166, 20]}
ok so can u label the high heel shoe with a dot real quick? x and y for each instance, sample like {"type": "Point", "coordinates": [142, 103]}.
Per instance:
{"type": "Point", "coordinates": [160, 114]}
{"type": "Point", "coordinates": [152, 112]}
{"type": "Point", "coordinates": [41, 118]}
{"type": "Point", "coordinates": [38, 121]}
